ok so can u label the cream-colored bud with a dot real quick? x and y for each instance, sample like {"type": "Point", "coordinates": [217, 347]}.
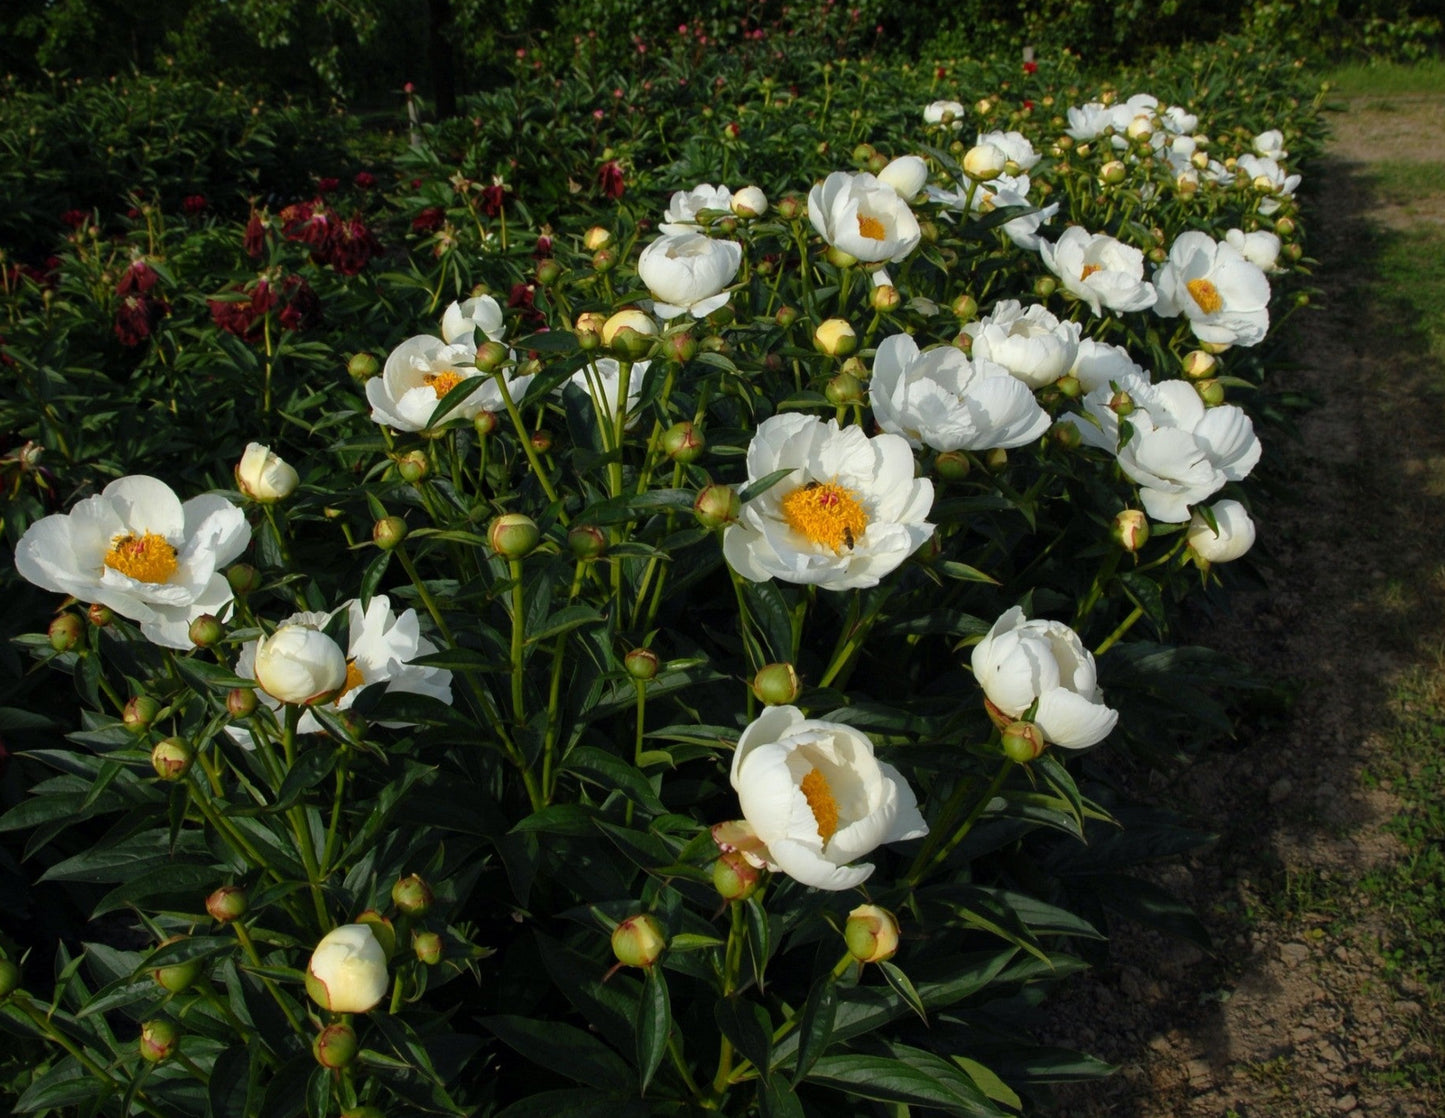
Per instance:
{"type": "Point", "coordinates": [984, 161]}
{"type": "Point", "coordinates": [299, 664]}
{"type": "Point", "coordinates": [264, 476]}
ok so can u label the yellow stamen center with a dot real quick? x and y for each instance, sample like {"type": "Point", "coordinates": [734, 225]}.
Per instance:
{"type": "Point", "coordinates": [827, 514]}
{"type": "Point", "coordinates": [1089, 270]}
{"type": "Point", "coordinates": [145, 558]}
{"type": "Point", "coordinates": [820, 800]}
{"type": "Point", "coordinates": [353, 679]}
{"type": "Point", "coordinates": [871, 228]}
{"type": "Point", "coordinates": [1205, 294]}
{"type": "Point", "coordinates": [442, 383]}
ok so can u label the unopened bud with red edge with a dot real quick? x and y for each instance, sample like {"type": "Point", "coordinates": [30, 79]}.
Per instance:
{"type": "Point", "coordinates": [228, 903]}
{"type": "Point", "coordinates": [786, 316]}
{"type": "Point", "coordinates": [683, 442]}
{"type": "Point", "coordinates": [172, 758]}
{"type": "Point", "coordinates": [871, 934]}
{"type": "Point", "coordinates": [885, 297]}
{"type": "Point", "coordinates": [428, 948]}
{"type": "Point", "coordinates": [347, 972]}
{"type": "Point", "coordinates": [541, 440]}
{"type": "Point", "coordinates": [413, 466]}
{"type": "Point", "coordinates": [862, 153]}
{"type": "Point", "coordinates": [139, 713]}
{"type": "Point", "coordinates": [1113, 173]}
{"type": "Point", "coordinates": [177, 977]}
{"type": "Point", "coordinates": [412, 895]}
{"type": "Point", "coordinates": [243, 578]}
{"type": "Point", "coordinates": [777, 684]}
{"type": "Point", "coordinates": [241, 702]}
{"type": "Point", "coordinates": [844, 389]}
{"type": "Point", "coordinates": [952, 465]}
{"type": "Point", "coordinates": [158, 1040]}
{"type": "Point", "coordinates": [206, 631]}
{"type": "Point", "coordinates": [1198, 365]}
{"type": "Point", "coordinates": [9, 978]}
{"type": "Point", "coordinates": [835, 337]}
{"type": "Point", "coordinates": [1070, 386]}
{"type": "Point", "coordinates": [484, 423]}
{"type": "Point", "coordinates": [639, 941]}
{"type": "Point", "coordinates": [791, 206]}
{"type": "Point", "coordinates": [388, 532]}
{"type": "Point", "coordinates": [641, 663]}
{"type": "Point", "coordinates": [1130, 529]}
{"type": "Point", "coordinates": [717, 506]}
{"type": "Point", "coordinates": [965, 307]}
{"type": "Point", "coordinates": [734, 877]}
{"type": "Point", "coordinates": [490, 356]}
{"type": "Point", "coordinates": [596, 237]}
{"type": "Point", "coordinates": [1045, 286]}
{"type": "Point", "coordinates": [629, 333]}
{"type": "Point", "coordinates": [335, 1046]}
{"type": "Point", "coordinates": [65, 632]}
{"type": "Point", "coordinates": [1210, 391]}
{"type": "Point", "coordinates": [587, 541]}
{"type": "Point", "coordinates": [513, 535]}
{"type": "Point", "coordinates": [100, 616]}
{"type": "Point", "coordinates": [681, 348]}
{"type": "Point", "coordinates": [1066, 435]}
{"type": "Point", "coordinates": [1022, 742]}
{"type": "Point", "coordinates": [1121, 404]}
{"type": "Point", "coordinates": [548, 272]}
{"type": "Point", "coordinates": [750, 201]}
{"type": "Point", "coordinates": [362, 367]}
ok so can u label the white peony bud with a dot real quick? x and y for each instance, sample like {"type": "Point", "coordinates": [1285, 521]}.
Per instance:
{"type": "Point", "coordinates": [347, 972]}
{"type": "Point", "coordinates": [299, 664]}
{"type": "Point", "coordinates": [1234, 538]}
{"type": "Point", "coordinates": [750, 201]}
{"type": "Point", "coordinates": [984, 161]}
{"type": "Point", "coordinates": [264, 476]}
{"type": "Point", "coordinates": [906, 175]}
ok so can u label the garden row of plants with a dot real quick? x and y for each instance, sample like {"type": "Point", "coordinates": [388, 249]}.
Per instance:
{"type": "Point", "coordinates": [600, 607]}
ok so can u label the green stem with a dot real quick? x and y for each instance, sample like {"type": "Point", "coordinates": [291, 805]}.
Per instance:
{"type": "Point", "coordinates": [927, 857]}
{"type": "Point", "coordinates": [301, 827]}
{"type": "Point", "coordinates": [1124, 626]}
{"type": "Point", "coordinates": [519, 638]}
{"type": "Point", "coordinates": [525, 438]}
{"type": "Point", "coordinates": [248, 945]}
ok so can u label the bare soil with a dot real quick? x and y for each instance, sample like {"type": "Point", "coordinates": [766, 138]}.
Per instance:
{"type": "Point", "coordinates": [1297, 1012]}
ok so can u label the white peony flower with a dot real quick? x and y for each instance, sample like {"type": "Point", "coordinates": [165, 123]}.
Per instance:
{"type": "Point", "coordinates": [423, 369]}
{"type": "Point", "coordinates": [136, 548]}
{"type": "Point", "coordinates": [380, 648]}
{"type": "Point", "coordinates": [936, 113]}
{"type": "Point", "coordinates": [750, 201]}
{"type": "Point", "coordinates": [1087, 122]}
{"type": "Point", "coordinates": [906, 175]}
{"type": "Point", "coordinates": [685, 205]}
{"type": "Point", "coordinates": [848, 515]}
{"type": "Point", "coordinates": [347, 972]}
{"type": "Point", "coordinates": [816, 796]}
{"type": "Point", "coordinates": [1234, 537]}
{"type": "Point", "coordinates": [1031, 344]}
{"type": "Point", "coordinates": [1022, 663]}
{"type": "Point", "coordinates": [941, 400]}
{"type": "Point", "coordinates": [1015, 146]}
{"type": "Point", "coordinates": [1270, 144]}
{"type": "Point", "coordinates": [1261, 248]}
{"type": "Point", "coordinates": [1224, 296]}
{"type": "Point", "coordinates": [264, 476]}
{"type": "Point", "coordinates": [863, 217]}
{"type": "Point", "coordinates": [1103, 272]}
{"type": "Point", "coordinates": [461, 321]}
{"type": "Point", "coordinates": [1267, 175]}
{"type": "Point", "coordinates": [1004, 191]}
{"type": "Point", "coordinates": [298, 663]}
{"type": "Point", "coordinates": [688, 273]}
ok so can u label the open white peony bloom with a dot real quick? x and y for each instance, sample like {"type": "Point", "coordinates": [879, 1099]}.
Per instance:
{"type": "Point", "coordinates": [1102, 271]}
{"type": "Point", "coordinates": [1015, 146]}
{"type": "Point", "coordinates": [1224, 296]}
{"type": "Point", "coordinates": [1031, 343]}
{"type": "Point", "coordinates": [136, 548]}
{"type": "Point", "coordinates": [942, 400]}
{"type": "Point", "coordinates": [1234, 535]}
{"type": "Point", "coordinates": [849, 514]}
{"type": "Point", "coordinates": [1020, 663]}
{"type": "Point", "coordinates": [461, 321]}
{"type": "Point", "coordinates": [1270, 144]}
{"type": "Point", "coordinates": [423, 369]}
{"type": "Point", "coordinates": [1267, 175]}
{"type": "Point", "coordinates": [950, 113]}
{"type": "Point", "coordinates": [688, 273]}
{"type": "Point", "coordinates": [347, 972]}
{"type": "Point", "coordinates": [1005, 191]}
{"type": "Point", "coordinates": [816, 796]}
{"type": "Point", "coordinates": [380, 647]}
{"type": "Point", "coordinates": [685, 205]}
{"type": "Point", "coordinates": [1261, 248]}
{"type": "Point", "coordinates": [1088, 121]}
{"type": "Point", "coordinates": [863, 217]}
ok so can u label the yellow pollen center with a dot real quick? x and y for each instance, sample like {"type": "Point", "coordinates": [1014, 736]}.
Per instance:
{"type": "Point", "coordinates": [871, 228]}
{"type": "Point", "coordinates": [442, 383]}
{"type": "Point", "coordinates": [1205, 294]}
{"type": "Point", "coordinates": [826, 514]}
{"type": "Point", "coordinates": [145, 558]}
{"type": "Point", "coordinates": [820, 800]}
{"type": "Point", "coordinates": [353, 679]}
{"type": "Point", "coordinates": [1089, 270]}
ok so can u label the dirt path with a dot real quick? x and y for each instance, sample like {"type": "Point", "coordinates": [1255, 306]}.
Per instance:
{"type": "Point", "coordinates": [1298, 1012]}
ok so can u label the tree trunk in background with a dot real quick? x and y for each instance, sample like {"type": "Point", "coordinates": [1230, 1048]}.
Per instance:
{"type": "Point", "coordinates": [440, 59]}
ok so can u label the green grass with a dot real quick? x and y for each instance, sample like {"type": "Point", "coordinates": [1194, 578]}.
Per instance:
{"type": "Point", "coordinates": [1392, 78]}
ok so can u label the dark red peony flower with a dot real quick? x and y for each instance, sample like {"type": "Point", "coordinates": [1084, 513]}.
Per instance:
{"type": "Point", "coordinates": [364, 180]}
{"type": "Point", "coordinates": [493, 198]}
{"type": "Point", "coordinates": [75, 218]}
{"type": "Point", "coordinates": [138, 317]}
{"type": "Point", "coordinates": [254, 240]}
{"type": "Point", "coordinates": [309, 223]}
{"type": "Point", "coordinates": [138, 277]}
{"type": "Point", "coordinates": [1031, 67]}
{"type": "Point", "coordinates": [429, 220]}
{"type": "Point", "coordinates": [611, 179]}
{"type": "Point", "coordinates": [194, 204]}
{"type": "Point", "coordinates": [327, 185]}
{"type": "Point", "coordinates": [351, 247]}
{"type": "Point", "coordinates": [302, 306]}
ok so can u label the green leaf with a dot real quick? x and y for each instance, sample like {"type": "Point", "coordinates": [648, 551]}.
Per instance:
{"type": "Point", "coordinates": [904, 988]}
{"type": "Point", "coordinates": [989, 1083]}
{"type": "Point", "coordinates": [231, 1085]}
{"type": "Point", "coordinates": [776, 1098]}
{"type": "Point", "coordinates": [763, 484]}
{"type": "Point", "coordinates": [654, 1025]}
{"type": "Point", "coordinates": [565, 620]}
{"type": "Point", "coordinates": [611, 772]}
{"type": "Point", "coordinates": [558, 819]}
{"type": "Point", "coordinates": [815, 1032]}
{"type": "Point", "coordinates": [371, 577]}
{"type": "Point", "coordinates": [569, 1051]}
{"type": "Point", "coordinates": [318, 1093]}
{"type": "Point", "coordinates": [575, 1103]}
{"type": "Point", "coordinates": [890, 1080]}
{"type": "Point", "coordinates": [1148, 904]}
{"type": "Point", "coordinates": [747, 1025]}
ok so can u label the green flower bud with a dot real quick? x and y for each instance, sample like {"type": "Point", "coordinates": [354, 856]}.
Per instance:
{"type": "Point", "coordinates": [1130, 529]}
{"type": "Point", "coordinates": [791, 207]}
{"type": "Point", "coordinates": [1045, 286]}
{"type": "Point", "coordinates": [428, 948]}
{"type": "Point", "coordinates": [996, 459]}
{"type": "Point", "coordinates": [604, 260]}
{"type": "Point", "coordinates": [639, 941]}
{"type": "Point", "coordinates": [587, 541]}
{"type": "Point", "coordinates": [100, 616]}
{"type": "Point", "coordinates": [1066, 435]}
{"type": "Point", "coordinates": [1210, 391]}
{"type": "Point", "coordinates": [139, 713]}
{"type": "Point", "coordinates": [388, 532]}
{"type": "Point", "coordinates": [484, 423]}
{"type": "Point", "coordinates": [335, 1046]}
{"type": "Point", "coordinates": [786, 316]}
{"type": "Point", "coordinates": [413, 466]}
{"type": "Point", "coordinates": [548, 272]}
{"type": "Point", "coordinates": [513, 535]}
{"type": "Point", "coordinates": [228, 903]}
{"type": "Point", "coordinates": [839, 258]}
{"type": "Point", "coordinates": [952, 465]}
{"type": "Point", "coordinates": [871, 934]}
{"type": "Point", "coordinates": [641, 663]}
{"type": "Point", "coordinates": [966, 308]}
{"type": "Point", "coordinates": [541, 441]}
{"type": "Point", "coordinates": [9, 978]}
{"type": "Point", "coordinates": [158, 1040]}
{"type": "Point", "coordinates": [177, 977]}
{"type": "Point", "coordinates": [172, 759]}
{"type": "Point", "coordinates": [717, 506]}
{"type": "Point", "coordinates": [206, 631]}
{"type": "Point", "coordinates": [412, 895]}
{"type": "Point", "coordinates": [681, 348]}
{"type": "Point", "coordinates": [1113, 173]}
{"type": "Point", "coordinates": [65, 632]}
{"type": "Point", "coordinates": [863, 153]}
{"type": "Point", "coordinates": [1022, 742]}
{"type": "Point", "coordinates": [241, 702]}
{"type": "Point", "coordinates": [777, 684]}
{"type": "Point", "coordinates": [362, 367]}
{"type": "Point", "coordinates": [1069, 386]}
{"type": "Point", "coordinates": [243, 578]}
{"type": "Point", "coordinates": [683, 442]}
{"type": "Point", "coordinates": [490, 356]}
{"type": "Point", "coordinates": [734, 877]}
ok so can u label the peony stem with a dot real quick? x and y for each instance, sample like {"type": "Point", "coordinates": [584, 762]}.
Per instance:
{"type": "Point", "coordinates": [1124, 626]}
{"type": "Point", "coordinates": [932, 853]}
